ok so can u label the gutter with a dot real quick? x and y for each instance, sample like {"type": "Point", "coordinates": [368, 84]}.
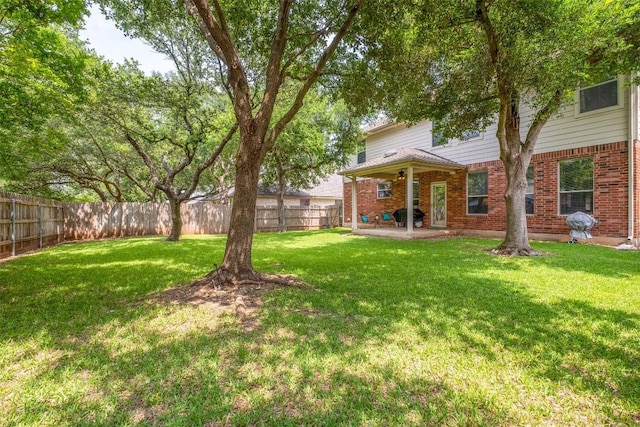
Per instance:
{"type": "Point", "coordinates": [633, 137]}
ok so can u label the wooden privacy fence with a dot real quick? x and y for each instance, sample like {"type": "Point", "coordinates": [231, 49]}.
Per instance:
{"type": "Point", "coordinates": [98, 220]}
{"type": "Point", "coordinates": [298, 217]}
{"type": "Point", "coordinates": [28, 223]}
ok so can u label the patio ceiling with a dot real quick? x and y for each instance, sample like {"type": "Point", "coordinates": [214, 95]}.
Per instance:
{"type": "Point", "coordinates": [388, 165]}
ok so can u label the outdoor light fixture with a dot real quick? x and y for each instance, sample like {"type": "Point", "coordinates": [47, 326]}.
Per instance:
{"type": "Point", "coordinates": [401, 174]}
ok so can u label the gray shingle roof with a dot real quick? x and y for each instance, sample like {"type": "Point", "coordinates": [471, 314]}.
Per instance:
{"type": "Point", "coordinates": [405, 155]}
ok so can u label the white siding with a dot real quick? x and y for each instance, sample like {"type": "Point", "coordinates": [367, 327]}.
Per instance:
{"type": "Point", "coordinates": [566, 130]}
{"type": "Point", "coordinates": [482, 149]}
{"type": "Point", "coordinates": [572, 130]}
{"type": "Point", "coordinates": [417, 136]}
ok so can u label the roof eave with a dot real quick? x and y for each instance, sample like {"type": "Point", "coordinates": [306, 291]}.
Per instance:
{"type": "Point", "coordinates": [390, 170]}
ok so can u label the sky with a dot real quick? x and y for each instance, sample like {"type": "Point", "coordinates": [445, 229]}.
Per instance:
{"type": "Point", "coordinates": [109, 42]}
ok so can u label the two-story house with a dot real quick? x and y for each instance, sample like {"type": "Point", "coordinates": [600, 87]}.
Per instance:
{"type": "Point", "coordinates": [587, 159]}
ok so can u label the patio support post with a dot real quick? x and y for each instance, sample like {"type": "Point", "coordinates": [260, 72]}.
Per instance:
{"type": "Point", "coordinates": [354, 203]}
{"type": "Point", "coordinates": [409, 201]}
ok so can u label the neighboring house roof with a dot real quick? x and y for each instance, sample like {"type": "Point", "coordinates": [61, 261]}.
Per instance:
{"type": "Point", "coordinates": [388, 164]}
{"type": "Point", "coordinates": [328, 188]}
{"type": "Point", "coordinates": [272, 190]}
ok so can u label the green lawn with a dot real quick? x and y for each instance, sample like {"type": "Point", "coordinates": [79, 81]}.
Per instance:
{"type": "Point", "coordinates": [393, 333]}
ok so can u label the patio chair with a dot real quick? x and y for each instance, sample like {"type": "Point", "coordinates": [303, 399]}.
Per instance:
{"type": "Point", "coordinates": [364, 218]}
{"type": "Point", "coordinates": [386, 217]}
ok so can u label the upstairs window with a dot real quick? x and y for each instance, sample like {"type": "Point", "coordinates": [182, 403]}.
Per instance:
{"type": "Point", "coordinates": [602, 95]}
{"type": "Point", "coordinates": [437, 137]}
{"type": "Point", "coordinates": [576, 186]}
{"type": "Point", "coordinates": [470, 134]}
{"type": "Point", "coordinates": [477, 193]}
{"type": "Point", "coordinates": [362, 152]}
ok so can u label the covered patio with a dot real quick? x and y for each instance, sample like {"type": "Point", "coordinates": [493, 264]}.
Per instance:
{"type": "Point", "coordinates": [399, 165]}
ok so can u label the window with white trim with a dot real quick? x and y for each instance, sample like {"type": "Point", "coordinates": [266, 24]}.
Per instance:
{"type": "Point", "coordinates": [529, 196]}
{"type": "Point", "coordinates": [477, 193]}
{"type": "Point", "coordinates": [437, 136]}
{"type": "Point", "coordinates": [416, 193]}
{"type": "Point", "coordinates": [576, 185]}
{"type": "Point", "coordinates": [384, 190]}
{"type": "Point", "coordinates": [470, 134]}
{"type": "Point", "coordinates": [599, 96]}
{"type": "Point", "coordinates": [362, 152]}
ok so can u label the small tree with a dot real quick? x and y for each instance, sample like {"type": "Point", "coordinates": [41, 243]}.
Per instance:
{"type": "Point", "coordinates": [317, 143]}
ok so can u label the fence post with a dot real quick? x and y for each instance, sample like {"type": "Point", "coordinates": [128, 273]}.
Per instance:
{"type": "Point", "coordinates": [39, 226]}
{"type": "Point", "coordinates": [13, 227]}
{"type": "Point", "coordinates": [59, 219]}
{"type": "Point", "coordinates": [255, 219]}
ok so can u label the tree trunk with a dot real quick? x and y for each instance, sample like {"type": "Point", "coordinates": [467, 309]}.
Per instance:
{"type": "Point", "coordinates": [515, 157]}
{"type": "Point", "coordinates": [516, 241]}
{"type": "Point", "coordinates": [237, 257]}
{"type": "Point", "coordinates": [176, 220]}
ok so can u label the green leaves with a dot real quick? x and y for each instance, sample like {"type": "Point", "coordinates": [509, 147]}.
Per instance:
{"type": "Point", "coordinates": [319, 140]}
{"type": "Point", "coordinates": [41, 62]}
{"type": "Point", "coordinates": [435, 60]}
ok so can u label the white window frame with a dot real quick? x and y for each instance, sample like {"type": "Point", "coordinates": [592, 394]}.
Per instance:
{"type": "Point", "coordinates": [442, 141]}
{"type": "Point", "coordinates": [619, 105]}
{"type": "Point", "coordinates": [592, 191]}
{"type": "Point", "coordinates": [385, 191]}
{"type": "Point", "coordinates": [533, 192]}
{"type": "Point", "coordinates": [486, 196]}
{"type": "Point", "coordinates": [415, 186]}
{"type": "Point", "coordinates": [471, 135]}
{"type": "Point", "coordinates": [363, 145]}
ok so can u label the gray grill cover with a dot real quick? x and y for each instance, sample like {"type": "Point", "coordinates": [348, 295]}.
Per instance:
{"type": "Point", "coordinates": [580, 224]}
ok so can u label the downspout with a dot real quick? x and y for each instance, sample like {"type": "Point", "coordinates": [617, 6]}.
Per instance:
{"type": "Point", "coordinates": [354, 203]}
{"type": "Point", "coordinates": [409, 201]}
{"type": "Point", "coordinates": [633, 136]}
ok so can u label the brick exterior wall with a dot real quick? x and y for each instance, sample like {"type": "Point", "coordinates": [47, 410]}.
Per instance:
{"type": "Point", "coordinates": [610, 163]}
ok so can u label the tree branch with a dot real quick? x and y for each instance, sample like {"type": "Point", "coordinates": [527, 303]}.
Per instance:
{"type": "Point", "coordinates": [209, 161]}
{"type": "Point", "coordinates": [541, 118]}
{"type": "Point", "coordinates": [274, 76]}
{"type": "Point", "coordinates": [313, 77]}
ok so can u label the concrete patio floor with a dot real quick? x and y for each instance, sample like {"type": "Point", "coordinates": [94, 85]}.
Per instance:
{"type": "Point", "coordinates": [401, 232]}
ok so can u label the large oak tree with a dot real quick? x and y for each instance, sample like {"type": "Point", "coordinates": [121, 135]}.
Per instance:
{"type": "Point", "coordinates": [260, 47]}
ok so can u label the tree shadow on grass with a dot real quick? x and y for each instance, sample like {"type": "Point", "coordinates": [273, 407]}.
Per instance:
{"type": "Point", "coordinates": [218, 375]}
{"type": "Point", "coordinates": [376, 343]}
{"type": "Point", "coordinates": [592, 352]}
{"type": "Point", "coordinates": [83, 284]}
{"type": "Point", "coordinates": [592, 259]}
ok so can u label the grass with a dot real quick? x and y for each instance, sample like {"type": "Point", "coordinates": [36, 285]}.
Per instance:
{"type": "Point", "coordinates": [394, 333]}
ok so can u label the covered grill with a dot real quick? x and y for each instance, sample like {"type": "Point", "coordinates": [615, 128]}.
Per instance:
{"type": "Point", "coordinates": [580, 224]}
